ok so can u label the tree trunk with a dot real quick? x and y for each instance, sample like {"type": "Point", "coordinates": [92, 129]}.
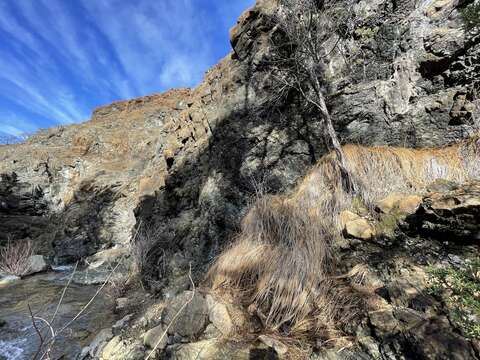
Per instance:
{"type": "Point", "coordinates": [347, 179]}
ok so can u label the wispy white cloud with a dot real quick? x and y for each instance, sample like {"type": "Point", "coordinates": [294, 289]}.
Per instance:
{"type": "Point", "coordinates": [11, 130]}
{"type": "Point", "coordinates": [59, 59]}
{"type": "Point", "coordinates": [14, 125]}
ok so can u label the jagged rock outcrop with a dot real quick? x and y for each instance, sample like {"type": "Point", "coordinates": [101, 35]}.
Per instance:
{"type": "Point", "coordinates": [185, 164]}
{"type": "Point", "coordinates": [453, 216]}
{"type": "Point", "coordinates": [420, 312]}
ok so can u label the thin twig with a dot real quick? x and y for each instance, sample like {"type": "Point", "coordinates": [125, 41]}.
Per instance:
{"type": "Point", "coordinates": [52, 331]}
{"type": "Point", "coordinates": [38, 332]}
{"type": "Point", "coordinates": [91, 300]}
{"type": "Point", "coordinates": [50, 341]}
{"type": "Point", "coordinates": [63, 293]}
{"type": "Point", "coordinates": [176, 315]}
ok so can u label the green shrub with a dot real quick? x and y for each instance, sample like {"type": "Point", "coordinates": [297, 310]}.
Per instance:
{"type": "Point", "coordinates": [471, 16]}
{"type": "Point", "coordinates": [460, 289]}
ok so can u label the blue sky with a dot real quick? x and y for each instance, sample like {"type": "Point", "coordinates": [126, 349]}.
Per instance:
{"type": "Point", "coordinates": [59, 59]}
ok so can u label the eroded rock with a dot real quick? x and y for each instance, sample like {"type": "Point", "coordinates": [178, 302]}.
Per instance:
{"type": "Point", "coordinates": [187, 315]}
{"type": "Point", "coordinates": [156, 338]}
{"type": "Point", "coordinates": [451, 215]}
{"type": "Point", "coordinates": [403, 204]}
{"type": "Point", "coordinates": [118, 349]}
{"type": "Point", "coordinates": [356, 226]}
{"type": "Point", "coordinates": [217, 349]}
{"type": "Point", "coordinates": [219, 315]}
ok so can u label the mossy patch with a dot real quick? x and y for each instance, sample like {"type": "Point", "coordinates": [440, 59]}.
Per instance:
{"type": "Point", "coordinates": [358, 206]}
{"type": "Point", "coordinates": [366, 33]}
{"type": "Point", "coordinates": [471, 16]}
{"type": "Point", "coordinates": [460, 290]}
{"type": "Point", "coordinates": [387, 224]}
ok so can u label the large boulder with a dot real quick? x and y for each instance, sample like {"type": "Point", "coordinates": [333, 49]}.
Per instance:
{"type": "Point", "coordinates": [36, 264]}
{"type": "Point", "coordinates": [186, 314]}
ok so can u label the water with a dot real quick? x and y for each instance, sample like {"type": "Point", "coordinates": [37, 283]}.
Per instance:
{"type": "Point", "coordinates": [18, 338]}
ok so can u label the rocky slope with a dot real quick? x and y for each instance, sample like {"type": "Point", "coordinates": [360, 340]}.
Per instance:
{"type": "Point", "coordinates": [185, 164]}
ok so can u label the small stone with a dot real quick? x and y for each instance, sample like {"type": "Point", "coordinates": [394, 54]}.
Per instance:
{"type": "Point", "coordinates": [370, 346]}
{"type": "Point", "coordinates": [215, 349]}
{"type": "Point", "coordinates": [403, 204]}
{"type": "Point", "coordinates": [346, 216]}
{"type": "Point", "coordinates": [456, 260]}
{"type": "Point", "coordinates": [409, 317]}
{"type": "Point", "coordinates": [122, 322]}
{"type": "Point", "coordinates": [118, 349]}
{"type": "Point", "coordinates": [106, 258]}
{"type": "Point", "coordinates": [383, 321]}
{"type": "Point", "coordinates": [219, 316]}
{"type": "Point", "coordinates": [360, 229]}
{"type": "Point", "coordinates": [279, 347]}
{"type": "Point", "coordinates": [389, 203]}
{"type": "Point", "coordinates": [155, 336]}
{"type": "Point", "coordinates": [121, 303]}
{"type": "Point", "coordinates": [441, 185]}
{"type": "Point", "coordinates": [211, 332]}
{"type": "Point", "coordinates": [409, 204]}
{"type": "Point", "coordinates": [97, 345]}
{"type": "Point", "coordinates": [181, 105]}
{"type": "Point", "coordinates": [175, 339]}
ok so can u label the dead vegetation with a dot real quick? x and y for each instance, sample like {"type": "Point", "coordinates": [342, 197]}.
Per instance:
{"type": "Point", "coordinates": [148, 255]}
{"type": "Point", "coordinates": [44, 326]}
{"type": "Point", "coordinates": [282, 263]}
{"type": "Point", "coordinates": [15, 257]}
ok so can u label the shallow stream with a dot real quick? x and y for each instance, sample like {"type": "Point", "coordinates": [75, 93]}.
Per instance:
{"type": "Point", "coordinates": [18, 338]}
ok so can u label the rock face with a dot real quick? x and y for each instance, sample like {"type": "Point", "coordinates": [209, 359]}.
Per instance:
{"type": "Point", "coordinates": [416, 313]}
{"type": "Point", "coordinates": [452, 215]}
{"type": "Point", "coordinates": [183, 165]}
{"type": "Point", "coordinates": [185, 161]}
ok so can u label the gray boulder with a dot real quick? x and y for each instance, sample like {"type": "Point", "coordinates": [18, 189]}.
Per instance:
{"type": "Point", "coordinates": [36, 264]}
{"type": "Point", "coordinates": [187, 314]}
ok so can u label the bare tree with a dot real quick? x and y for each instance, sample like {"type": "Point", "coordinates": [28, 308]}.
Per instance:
{"type": "Point", "coordinates": [307, 32]}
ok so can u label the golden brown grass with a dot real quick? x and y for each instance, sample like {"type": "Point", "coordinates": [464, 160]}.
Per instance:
{"type": "Point", "coordinates": [282, 263]}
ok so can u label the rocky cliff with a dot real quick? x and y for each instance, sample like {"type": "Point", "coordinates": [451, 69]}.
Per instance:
{"type": "Point", "coordinates": [185, 164]}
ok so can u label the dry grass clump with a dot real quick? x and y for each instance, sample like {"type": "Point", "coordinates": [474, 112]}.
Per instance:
{"type": "Point", "coordinates": [118, 286]}
{"type": "Point", "coordinates": [15, 257]}
{"type": "Point", "coordinates": [282, 264]}
{"type": "Point", "coordinates": [148, 255]}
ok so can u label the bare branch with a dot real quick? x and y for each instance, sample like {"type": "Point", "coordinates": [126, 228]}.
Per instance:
{"type": "Point", "coordinates": [63, 293]}
{"type": "Point", "coordinates": [37, 331]}
{"type": "Point", "coordinates": [176, 315]}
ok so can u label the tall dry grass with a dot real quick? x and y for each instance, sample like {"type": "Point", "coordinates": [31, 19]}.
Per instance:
{"type": "Point", "coordinates": [282, 262]}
